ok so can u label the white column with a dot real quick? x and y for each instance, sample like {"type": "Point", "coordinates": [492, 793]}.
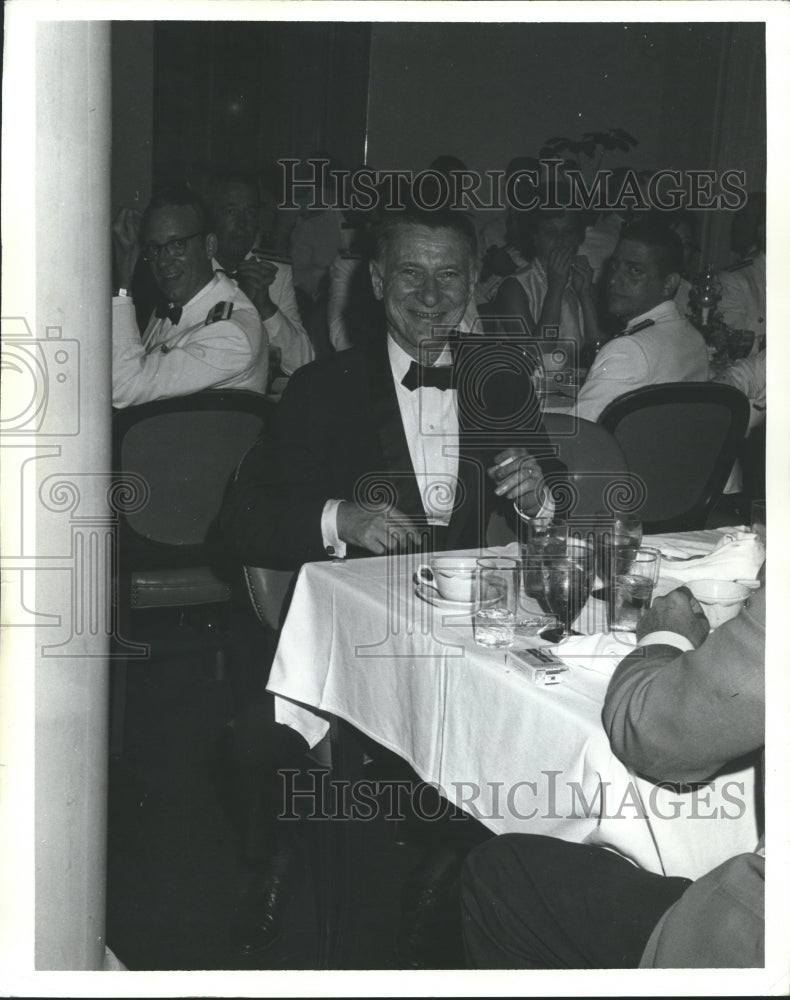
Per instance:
{"type": "Point", "coordinates": [56, 460]}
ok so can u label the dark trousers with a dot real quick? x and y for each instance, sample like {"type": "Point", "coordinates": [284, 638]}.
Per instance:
{"type": "Point", "coordinates": [532, 902]}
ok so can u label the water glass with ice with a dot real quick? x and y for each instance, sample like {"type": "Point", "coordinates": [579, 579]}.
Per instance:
{"type": "Point", "coordinates": [497, 592]}
{"type": "Point", "coordinates": [632, 593]}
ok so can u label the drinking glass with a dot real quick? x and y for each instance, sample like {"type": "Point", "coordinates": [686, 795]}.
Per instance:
{"type": "Point", "coordinates": [497, 591]}
{"type": "Point", "coordinates": [546, 536]}
{"type": "Point", "coordinates": [632, 591]}
{"type": "Point", "coordinates": [617, 542]}
{"type": "Point", "coordinates": [567, 581]}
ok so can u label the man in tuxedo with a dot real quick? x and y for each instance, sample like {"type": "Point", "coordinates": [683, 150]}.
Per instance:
{"type": "Point", "coordinates": [376, 454]}
{"type": "Point", "coordinates": [657, 344]}
{"type": "Point", "coordinates": [410, 440]}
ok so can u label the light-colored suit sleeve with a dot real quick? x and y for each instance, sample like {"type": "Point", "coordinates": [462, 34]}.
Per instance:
{"type": "Point", "coordinates": [621, 365]}
{"type": "Point", "coordinates": [212, 355]}
{"type": "Point", "coordinates": [284, 328]}
{"type": "Point", "coordinates": [674, 716]}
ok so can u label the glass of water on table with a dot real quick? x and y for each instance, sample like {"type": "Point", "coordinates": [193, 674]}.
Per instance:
{"type": "Point", "coordinates": [632, 591]}
{"type": "Point", "coordinates": [497, 593]}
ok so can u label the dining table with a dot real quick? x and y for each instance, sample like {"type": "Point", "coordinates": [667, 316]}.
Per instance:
{"type": "Point", "coordinates": [364, 643]}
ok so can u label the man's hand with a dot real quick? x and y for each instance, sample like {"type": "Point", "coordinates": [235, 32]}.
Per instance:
{"type": "Point", "coordinates": [678, 612]}
{"type": "Point", "coordinates": [255, 278]}
{"type": "Point", "coordinates": [126, 244]}
{"type": "Point", "coordinates": [378, 532]}
{"type": "Point", "coordinates": [518, 477]}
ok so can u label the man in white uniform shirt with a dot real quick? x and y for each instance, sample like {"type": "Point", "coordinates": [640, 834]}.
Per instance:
{"type": "Point", "coordinates": [208, 336]}
{"type": "Point", "coordinates": [657, 344]}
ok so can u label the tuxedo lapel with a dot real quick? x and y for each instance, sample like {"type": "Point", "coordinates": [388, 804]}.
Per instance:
{"type": "Point", "coordinates": [389, 428]}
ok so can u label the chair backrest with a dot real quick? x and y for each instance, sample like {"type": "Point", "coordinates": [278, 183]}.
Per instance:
{"type": "Point", "coordinates": [178, 455]}
{"type": "Point", "coordinates": [681, 439]}
{"type": "Point", "coordinates": [598, 477]}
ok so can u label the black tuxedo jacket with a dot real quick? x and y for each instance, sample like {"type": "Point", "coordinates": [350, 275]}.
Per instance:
{"type": "Point", "coordinates": [340, 436]}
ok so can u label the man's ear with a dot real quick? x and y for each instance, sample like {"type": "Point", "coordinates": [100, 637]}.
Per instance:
{"type": "Point", "coordinates": [211, 245]}
{"type": "Point", "coordinates": [377, 279]}
{"type": "Point", "coordinates": [671, 283]}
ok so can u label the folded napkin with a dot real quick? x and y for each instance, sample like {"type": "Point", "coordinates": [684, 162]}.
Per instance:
{"type": "Point", "coordinates": [600, 652]}
{"type": "Point", "coordinates": [738, 555]}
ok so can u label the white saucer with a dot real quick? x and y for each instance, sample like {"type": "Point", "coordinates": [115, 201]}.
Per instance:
{"type": "Point", "coordinates": [431, 596]}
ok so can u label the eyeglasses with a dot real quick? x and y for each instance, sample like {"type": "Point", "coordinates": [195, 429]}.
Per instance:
{"type": "Point", "coordinates": [175, 248]}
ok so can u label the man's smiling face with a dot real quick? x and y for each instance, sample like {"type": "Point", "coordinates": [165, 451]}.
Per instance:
{"type": "Point", "coordinates": [180, 276]}
{"type": "Point", "coordinates": [425, 279]}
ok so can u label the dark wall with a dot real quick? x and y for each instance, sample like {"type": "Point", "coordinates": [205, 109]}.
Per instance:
{"type": "Point", "coordinates": [488, 92]}
{"type": "Point", "coordinates": [247, 93]}
{"type": "Point", "coordinates": [132, 113]}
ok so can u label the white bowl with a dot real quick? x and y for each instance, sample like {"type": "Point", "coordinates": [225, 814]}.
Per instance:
{"type": "Point", "coordinates": [721, 600]}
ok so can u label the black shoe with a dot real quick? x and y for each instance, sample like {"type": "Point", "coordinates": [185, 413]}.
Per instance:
{"type": "Point", "coordinates": [430, 929]}
{"type": "Point", "coordinates": [257, 923]}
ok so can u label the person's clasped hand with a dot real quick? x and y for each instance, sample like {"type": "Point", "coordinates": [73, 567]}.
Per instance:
{"type": "Point", "coordinates": [678, 611]}
{"type": "Point", "coordinates": [377, 531]}
{"type": "Point", "coordinates": [581, 276]}
{"type": "Point", "coordinates": [254, 278]}
{"type": "Point", "coordinates": [558, 266]}
{"type": "Point", "coordinates": [518, 477]}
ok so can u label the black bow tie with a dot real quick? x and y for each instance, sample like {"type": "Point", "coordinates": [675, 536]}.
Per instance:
{"type": "Point", "coordinates": [170, 311]}
{"type": "Point", "coordinates": [429, 376]}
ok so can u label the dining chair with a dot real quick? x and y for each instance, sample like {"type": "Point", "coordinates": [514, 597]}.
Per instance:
{"type": "Point", "coordinates": [172, 461]}
{"type": "Point", "coordinates": [598, 478]}
{"type": "Point", "coordinates": [681, 439]}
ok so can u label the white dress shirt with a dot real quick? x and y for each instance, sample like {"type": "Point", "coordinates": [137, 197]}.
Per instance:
{"type": "Point", "coordinates": [430, 423]}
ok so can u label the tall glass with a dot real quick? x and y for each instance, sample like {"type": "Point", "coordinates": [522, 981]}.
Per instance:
{"type": "Point", "coordinates": [497, 594]}
{"type": "Point", "coordinates": [567, 581]}
{"type": "Point", "coordinates": [546, 536]}
{"type": "Point", "coordinates": [632, 591]}
{"type": "Point", "coordinates": [617, 542]}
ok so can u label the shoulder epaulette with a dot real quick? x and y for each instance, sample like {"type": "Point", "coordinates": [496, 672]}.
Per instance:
{"type": "Point", "coordinates": [639, 327]}
{"type": "Point", "coordinates": [219, 312]}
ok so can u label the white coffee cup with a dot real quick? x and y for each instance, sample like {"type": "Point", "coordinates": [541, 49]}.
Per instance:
{"type": "Point", "coordinates": [452, 577]}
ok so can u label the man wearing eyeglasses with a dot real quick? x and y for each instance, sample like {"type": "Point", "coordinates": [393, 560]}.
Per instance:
{"type": "Point", "coordinates": [208, 335]}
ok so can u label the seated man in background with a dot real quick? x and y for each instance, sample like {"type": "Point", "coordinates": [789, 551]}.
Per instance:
{"type": "Point", "coordinates": [208, 336]}
{"type": "Point", "coordinates": [678, 710]}
{"type": "Point", "coordinates": [235, 204]}
{"type": "Point", "coordinates": [657, 344]}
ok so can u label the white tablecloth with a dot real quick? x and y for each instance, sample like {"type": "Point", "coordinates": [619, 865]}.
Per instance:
{"type": "Point", "coordinates": [359, 644]}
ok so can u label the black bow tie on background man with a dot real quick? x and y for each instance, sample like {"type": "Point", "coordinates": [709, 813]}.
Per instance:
{"type": "Point", "coordinates": [429, 376]}
{"type": "Point", "coordinates": [170, 311]}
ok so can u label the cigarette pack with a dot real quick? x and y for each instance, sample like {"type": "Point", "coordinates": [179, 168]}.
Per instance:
{"type": "Point", "coordinates": [540, 666]}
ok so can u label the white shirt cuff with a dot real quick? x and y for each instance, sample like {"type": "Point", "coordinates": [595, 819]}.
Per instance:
{"type": "Point", "coordinates": [666, 638]}
{"type": "Point", "coordinates": [333, 546]}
